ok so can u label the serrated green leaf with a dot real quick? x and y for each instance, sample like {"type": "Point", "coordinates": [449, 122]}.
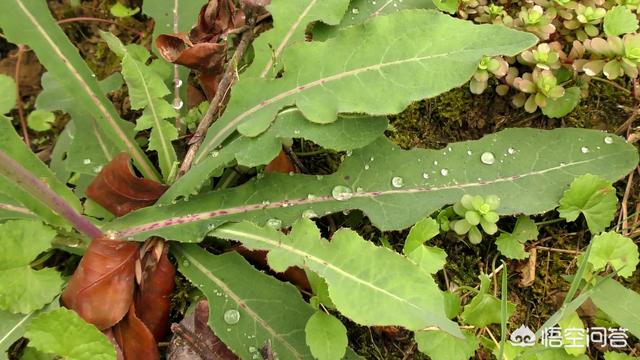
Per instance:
{"type": "Point", "coordinates": [484, 309]}
{"type": "Point", "coordinates": [146, 91]}
{"type": "Point", "coordinates": [510, 247]}
{"type": "Point", "coordinates": [543, 162]}
{"type": "Point", "coordinates": [13, 146]}
{"type": "Point", "coordinates": [290, 20]}
{"type": "Point", "coordinates": [89, 149]}
{"type": "Point", "coordinates": [450, 6]}
{"type": "Point", "coordinates": [429, 258]}
{"type": "Point", "coordinates": [593, 197]}
{"type": "Point", "coordinates": [422, 231]}
{"type": "Point", "coordinates": [620, 20]}
{"type": "Point", "coordinates": [268, 309]}
{"type": "Point", "coordinates": [63, 332]}
{"type": "Point", "coordinates": [121, 11]}
{"type": "Point", "coordinates": [22, 289]}
{"type": "Point", "coordinates": [615, 249]}
{"type": "Point", "coordinates": [40, 120]}
{"type": "Point", "coordinates": [30, 353]}
{"type": "Point", "coordinates": [30, 22]}
{"type": "Point", "coordinates": [390, 69]}
{"type": "Point", "coordinates": [361, 130]}
{"type": "Point", "coordinates": [343, 263]}
{"type": "Point", "coordinates": [569, 323]}
{"type": "Point", "coordinates": [442, 346]}
{"type": "Point", "coordinates": [326, 336]}
{"type": "Point", "coordinates": [621, 305]}
{"type": "Point", "coordinates": [8, 91]}
{"type": "Point", "coordinates": [320, 290]}
{"type": "Point", "coordinates": [13, 326]}
{"type": "Point", "coordinates": [557, 108]}
{"type": "Point", "coordinates": [360, 11]}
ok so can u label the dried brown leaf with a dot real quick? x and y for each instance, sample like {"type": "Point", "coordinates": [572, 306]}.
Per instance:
{"type": "Point", "coordinates": [135, 339]}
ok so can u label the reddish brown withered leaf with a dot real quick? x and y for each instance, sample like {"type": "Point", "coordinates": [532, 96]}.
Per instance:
{"type": "Point", "coordinates": [119, 190]}
{"type": "Point", "coordinates": [193, 339]}
{"type": "Point", "coordinates": [109, 334]}
{"type": "Point", "coordinates": [135, 340]}
{"type": "Point", "coordinates": [281, 164]}
{"type": "Point", "coordinates": [101, 288]}
{"type": "Point", "coordinates": [217, 18]}
{"type": "Point", "coordinates": [153, 297]}
{"type": "Point", "coordinates": [255, 3]}
{"type": "Point", "coordinates": [179, 50]}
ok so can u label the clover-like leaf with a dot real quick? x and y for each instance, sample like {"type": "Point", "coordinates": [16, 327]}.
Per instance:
{"type": "Point", "coordinates": [512, 245]}
{"type": "Point", "coordinates": [63, 332]}
{"type": "Point", "coordinates": [40, 120]}
{"type": "Point", "coordinates": [615, 249]}
{"type": "Point", "coordinates": [442, 346]}
{"type": "Point", "coordinates": [592, 196]}
{"type": "Point", "coordinates": [484, 309]}
{"type": "Point", "coordinates": [620, 20]}
{"type": "Point", "coordinates": [326, 336]}
{"type": "Point", "coordinates": [422, 231]}
{"type": "Point", "coordinates": [557, 108]}
{"type": "Point", "coordinates": [22, 288]}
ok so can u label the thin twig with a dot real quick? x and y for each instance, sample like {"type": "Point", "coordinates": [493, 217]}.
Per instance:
{"type": "Point", "coordinates": [19, 104]}
{"type": "Point", "coordinates": [606, 81]}
{"type": "Point", "coordinates": [106, 21]}
{"type": "Point", "coordinates": [227, 81]}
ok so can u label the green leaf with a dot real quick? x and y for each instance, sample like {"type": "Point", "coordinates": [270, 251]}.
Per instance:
{"type": "Point", "coordinates": [557, 108]}
{"type": "Point", "coordinates": [621, 305]}
{"type": "Point", "coordinates": [429, 258]}
{"type": "Point", "coordinates": [442, 346]}
{"type": "Point", "coordinates": [615, 249]}
{"type": "Point", "coordinates": [146, 91]}
{"type": "Point", "coordinates": [542, 162]}
{"type": "Point", "coordinates": [8, 91]}
{"type": "Point", "coordinates": [567, 323]}
{"type": "Point", "coordinates": [591, 196]}
{"type": "Point", "coordinates": [30, 353]}
{"type": "Point", "coordinates": [63, 332]}
{"type": "Point", "coordinates": [401, 295]}
{"type": "Point", "coordinates": [391, 69]}
{"type": "Point", "coordinates": [360, 11]}
{"type": "Point", "coordinates": [512, 245]}
{"type": "Point", "coordinates": [23, 289]}
{"type": "Point", "coordinates": [290, 20]}
{"type": "Point", "coordinates": [450, 6]}
{"type": "Point", "coordinates": [121, 11]}
{"type": "Point", "coordinates": [620, 20]}
{"type": "Point", "coordinates": [422, 231]}
{"type": "Point", "coordinates": [610, 355]}
{"type": "Point", "coordinates": [13, 146]}
{"type": "Point", "coordinates": [268, 309]}
{"type": "Point", "coordinates": [40, 120]}
{"type": "Point", "coordinates": [13, 326]}
{"type": "Point", "coordinates": [12, 209]}
{"type": "Point", "coordinates": [362, 131]}
{"type": "Point", "coordinates": [326, 336]}
{"type": "Point", "coordinates": [63, 62]}
{"type": "Point", "coordinates": [89, 149]}
{"type": "Point", "coordinates": [484, 309]}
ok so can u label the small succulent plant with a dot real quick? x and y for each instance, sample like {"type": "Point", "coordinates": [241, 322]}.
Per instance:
{"type": "Point", "coordinates": [585, 21]}
{"type": "Point", "coordinates": [537, 88]}
{"type": "Point", "coordinates": [543, 57]}
{"type": "Point", "coordinates": [536, 21]}
{"type": "Point", "coordinates": [494, 14]}
{"type": "Point", "coordinates": [614, 57]}
{"type": "Point", "coordinates": [488, 66]}
{"type": "Point", "coordinates": [476, 211]}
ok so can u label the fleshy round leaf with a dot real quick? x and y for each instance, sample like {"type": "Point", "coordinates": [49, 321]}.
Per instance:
{"type": "Point", "coordinates": [40, 120]}
{"type": "Point", "coordinates": [592, 196]}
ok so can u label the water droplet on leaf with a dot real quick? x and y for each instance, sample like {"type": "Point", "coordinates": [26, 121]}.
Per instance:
{"type": "Point", "coordinates": [608, 140]}
{"type": "Point", "coordinates": [178, 104]}
{"type": "Point", "coordinates": [488, 158]}
{"type": "Point", "coordinates": [444, 172]}
{"type": "Point", "coordinates": [231, 317]}
{"type": "Point", "coordinates": [584, 149]}
{"type": "Point", "coordinates": [341, 193]}
{"type": "Point", "coordinates": [274, 223]}
{"type": "Point", "coordinates": [397, 182]}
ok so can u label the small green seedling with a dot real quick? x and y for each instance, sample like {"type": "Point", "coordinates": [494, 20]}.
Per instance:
{"type": "Point", "coordinates": [476, 210]}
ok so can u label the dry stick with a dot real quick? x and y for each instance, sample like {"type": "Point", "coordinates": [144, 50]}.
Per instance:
{"type": "Point", "coordinates": [19, 105]}
{"type": "Point", "coordinates": [225, 84]}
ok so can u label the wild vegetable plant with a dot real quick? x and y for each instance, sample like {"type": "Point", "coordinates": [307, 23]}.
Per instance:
{"type": "Point", "coordinates": [365, 62]}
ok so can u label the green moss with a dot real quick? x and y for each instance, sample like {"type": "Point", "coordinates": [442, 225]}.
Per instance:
{"type": "Point", "coordinates": [601, 108]}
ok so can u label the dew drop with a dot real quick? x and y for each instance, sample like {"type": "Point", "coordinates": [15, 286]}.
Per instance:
{"type": "Point", "coordinates": [319, 177]}
{"type": "Point", "coordinates": [444, 172]}
{"type": "Point", "coordinates": [488, 158]}
{"type": "Point", "coordinates": [86, 161]}
{"type": "Point", "coordinates": [425, 175]}
{"type": "Point", "coordinates": [266, 202]}
{"type": "Point", "coordinates": [274, 223]}
{"type": "Point", "coordinates": [355, 11]}
{"type": "Point", "coordinates": [186, 263]}
{"type": "Point", "coordinates": [584, 149]}
{"type": "Point", "coordinates": [469, 152]}
{"type": "Point", "coordinates": [309, 214]}
{"type": "Point", "coordinates": [608, 140]}
{"type": "Point", "coordinates": [178, 83]}
{"type": "Point", "coordinates": [296, 132]}
{"type": "Point", "coordinates": [215, 153]}
{"type": "Point", "coordinates": [511, 151]}
{"type": "Point", "coordinates": [397, 182]}
{"type": "Point", "coordinates": [435, 162]}
{"type": "Point", "coordinates": [342, 193]}
{"type": "Point", "coordinates": [178, 104]}
{"type": "Point", "coordinates": [311, 196]}
{"type": "Point", "coordinates": [97, 169]}
{"type": "Point", "coordinates": [231, 317]}
{"type": "Point", "coordinates": [359, 189]}
{"type": "Point", "coordinates": [366, 167]}
{"type": "Point", "coordinates": [349, 152]}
